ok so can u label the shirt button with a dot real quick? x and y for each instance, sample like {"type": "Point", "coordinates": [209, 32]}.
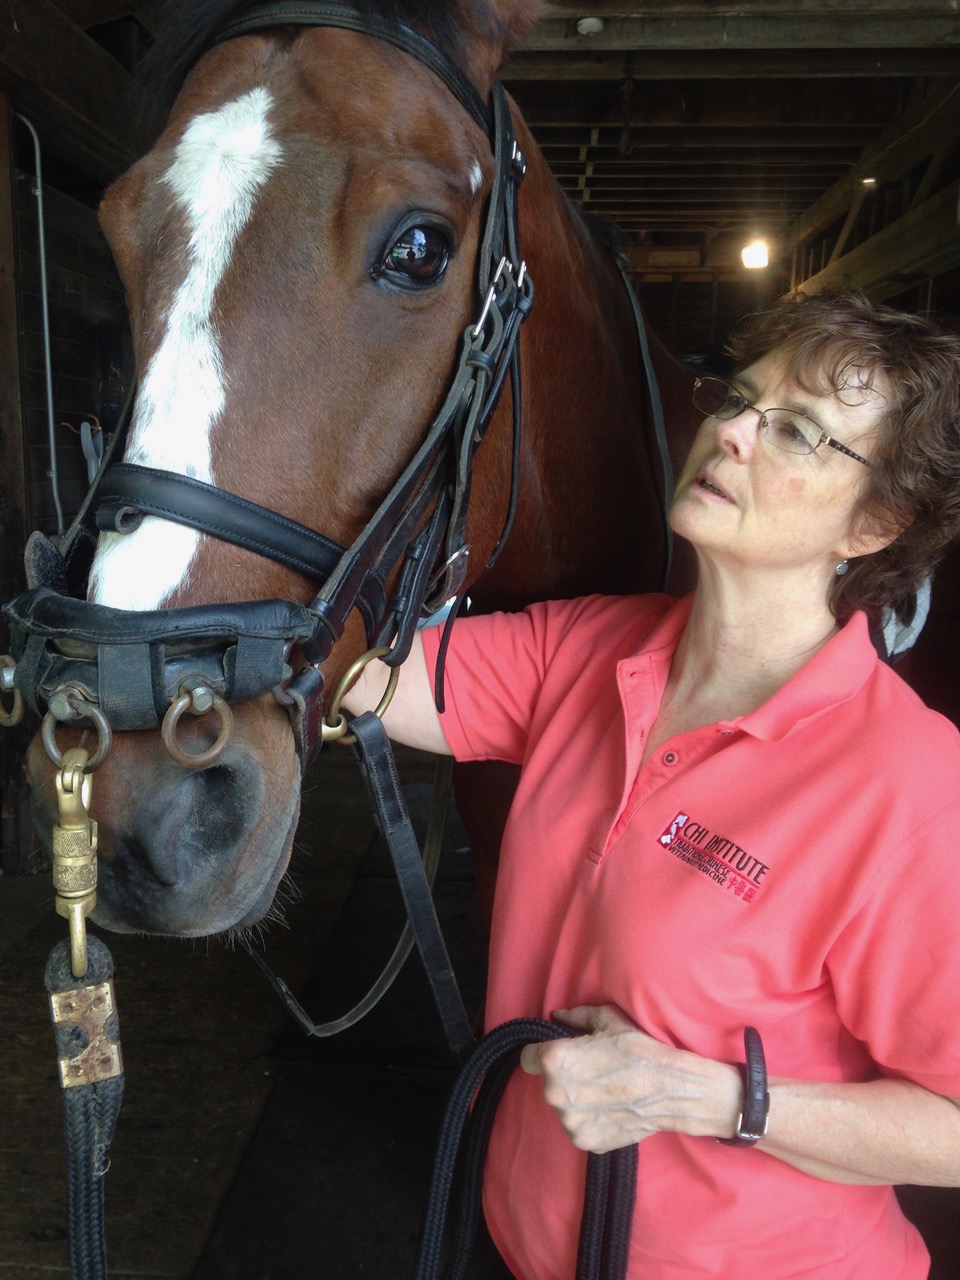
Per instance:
{"type": "Point", "coordinates": [670, 757]}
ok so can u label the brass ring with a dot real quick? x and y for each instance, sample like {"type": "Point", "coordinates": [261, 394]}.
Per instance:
{"type": "Point", "coordinates": [334, 727]}
{"type": "Point", "coordinates": [8, 719]}
{"type": "Point", "coordinates": [195, 759]}
{"type": "Point", "coordinates": [84, 711]}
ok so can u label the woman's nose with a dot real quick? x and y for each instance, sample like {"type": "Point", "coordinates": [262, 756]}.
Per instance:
{"type": "Point", "coordinates": [738, 436]}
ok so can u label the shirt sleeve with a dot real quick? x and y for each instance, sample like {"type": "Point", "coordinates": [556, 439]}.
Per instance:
{"type": "Point", "coordinates": [896, 964]}
{"type": "Point", "coordinates": [494, 670]}
{"type": "Point", "coordinates": [497, 665]}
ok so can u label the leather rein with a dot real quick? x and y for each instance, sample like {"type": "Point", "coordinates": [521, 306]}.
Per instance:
{"type": "Point", "coordinates": [77, 661]}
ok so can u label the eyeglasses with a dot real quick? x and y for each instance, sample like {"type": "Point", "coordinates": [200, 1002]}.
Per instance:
{"type": "Point", "coordinates": [784, 428]}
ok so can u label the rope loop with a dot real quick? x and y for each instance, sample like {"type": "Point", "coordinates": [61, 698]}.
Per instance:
{"type": "Point", "coordinates": [197, 699]}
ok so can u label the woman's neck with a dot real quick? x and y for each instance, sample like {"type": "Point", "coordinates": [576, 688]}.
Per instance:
{"type": "Point", "coordinates": [741, 645]}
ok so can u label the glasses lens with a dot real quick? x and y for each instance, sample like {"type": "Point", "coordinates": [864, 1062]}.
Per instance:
{"type": "Point", "coordinates": [791, 431]}
{"type": "Point", "coordinates": [717, 398]}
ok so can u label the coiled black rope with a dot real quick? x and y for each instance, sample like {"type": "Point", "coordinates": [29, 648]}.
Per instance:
{"type": "Point", "coordinates": [611, 1181]}
{"type": "Point", "coordinates": [87, 1036]}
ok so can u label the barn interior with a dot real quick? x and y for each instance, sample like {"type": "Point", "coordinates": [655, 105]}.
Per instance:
{"type": "Point", "coordinates": [827, 129]}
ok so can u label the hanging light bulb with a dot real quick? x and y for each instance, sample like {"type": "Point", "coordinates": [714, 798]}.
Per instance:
{"type": "Point", "coordinates": [755, 254]}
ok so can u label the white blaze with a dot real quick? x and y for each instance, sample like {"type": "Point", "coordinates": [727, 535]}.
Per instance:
{"type": "Point", "coordinates": [219, 166]}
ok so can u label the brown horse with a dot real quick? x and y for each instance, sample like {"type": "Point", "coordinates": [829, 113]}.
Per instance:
{"type": "Point", "coordinates": [299, 252]}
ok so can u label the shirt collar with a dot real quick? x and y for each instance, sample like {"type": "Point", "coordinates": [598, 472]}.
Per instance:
{"type": "Point", "coordinates": [833, 675]}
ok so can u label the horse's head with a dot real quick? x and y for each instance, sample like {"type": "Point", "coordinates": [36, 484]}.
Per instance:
{"type": "Point", "coordinates": [299, 252]}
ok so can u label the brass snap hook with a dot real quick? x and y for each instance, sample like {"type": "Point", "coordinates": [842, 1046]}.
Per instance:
{"type": "Point", "coordinates": [334, 727]}
{"type": "Point", "coordinates": [198, 699]}
{"type": "Point", "coordinates": [75, 852]}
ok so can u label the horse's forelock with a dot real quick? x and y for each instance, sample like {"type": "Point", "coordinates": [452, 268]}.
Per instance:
{"type": "Point", "coordinates": [457, 27]}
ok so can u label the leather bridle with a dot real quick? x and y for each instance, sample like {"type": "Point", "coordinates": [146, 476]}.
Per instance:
{"type": "Point", "coordinates": [410, 559]}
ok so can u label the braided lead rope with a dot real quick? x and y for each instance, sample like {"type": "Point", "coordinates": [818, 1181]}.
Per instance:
{"type": "Point", "coordinates": [610, 1188]}
{"type": "Point", "coordinates": [91, 1074]}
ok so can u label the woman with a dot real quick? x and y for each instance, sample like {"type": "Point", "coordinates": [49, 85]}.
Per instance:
{"type": "Point", "coordinates": [732, 814]}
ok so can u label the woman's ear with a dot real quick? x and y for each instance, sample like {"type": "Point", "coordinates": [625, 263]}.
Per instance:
{"type": "Point", "coordinates": [872, 531]}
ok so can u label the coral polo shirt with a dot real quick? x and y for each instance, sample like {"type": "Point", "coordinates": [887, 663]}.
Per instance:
{"type": "Point", "coordinates": [795, 869]}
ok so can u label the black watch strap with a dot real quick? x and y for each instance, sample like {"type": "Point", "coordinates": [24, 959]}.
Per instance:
{"type": "Point", "coordinates": [752, 1121]}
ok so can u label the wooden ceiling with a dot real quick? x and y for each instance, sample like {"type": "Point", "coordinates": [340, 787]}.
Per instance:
{"type": "Point", "coordinates": [696, 125]}
{"type": "Point", "coordinates": [830, 127]}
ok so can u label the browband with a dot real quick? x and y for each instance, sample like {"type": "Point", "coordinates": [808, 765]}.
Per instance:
{"type": "Point", "coordinates": [348, 18]}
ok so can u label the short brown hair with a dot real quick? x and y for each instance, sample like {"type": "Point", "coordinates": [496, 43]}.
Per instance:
{"type": "Point", "coordinates": [914, 478]}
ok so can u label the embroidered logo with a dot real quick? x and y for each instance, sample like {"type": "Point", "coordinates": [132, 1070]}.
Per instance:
{"type": "Point", "coordinates": [720, 859]}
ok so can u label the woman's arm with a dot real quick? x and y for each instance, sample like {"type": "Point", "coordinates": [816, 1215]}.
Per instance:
{"type": "Point", "coordinates": [412, 716]}
{"type": "Point", "coordinates": [617, 1085]}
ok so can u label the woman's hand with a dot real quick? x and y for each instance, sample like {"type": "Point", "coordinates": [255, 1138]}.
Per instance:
{"type": "Point", "coordinates": [616, 1085]}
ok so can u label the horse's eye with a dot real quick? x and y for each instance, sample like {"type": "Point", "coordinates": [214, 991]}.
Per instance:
{"type": "Point", "coordinates": [417, 257]}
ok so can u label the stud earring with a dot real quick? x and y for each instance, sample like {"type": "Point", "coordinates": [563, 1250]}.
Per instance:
{"type": "Point", "coordinates": [842, 568]}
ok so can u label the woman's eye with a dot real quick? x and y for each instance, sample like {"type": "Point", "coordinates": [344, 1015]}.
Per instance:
{"type": "Point", "coordinates": [791, 431]}
{"type": "Point", "coordinates": [419, 256]}
{"type": "Point", "coordinates": [732, 407]}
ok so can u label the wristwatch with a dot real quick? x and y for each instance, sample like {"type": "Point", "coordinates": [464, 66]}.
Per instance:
{"type": "Point", "coordinates": [754, 1112]}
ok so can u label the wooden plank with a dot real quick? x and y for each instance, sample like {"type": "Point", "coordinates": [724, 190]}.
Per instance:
{"type": "Point", "coordinates": [67, 250]}
{"type": "Point", "coordinates": [916, 135]}
{"type": "Point", "coordinates": [812, 9]}
{"type": "Point", "coordinates": [93, 299]}
{"type": "Point", "coordinates": [77, 218]}
{"type": "Point", "coordinates": [849, 223]}
{"type": "Point", "coordinates": [86, 107]}
{"type": "Point", "coordinates": [867, 28]}
{"type": "Point", "coordinates": [91, 13]}
{"type": "Point", "coordinates": [728, 64]}
{"type": "Point", "coordinates": [924, 242]}
{"type": "Point", "coordinates": [746, 137]}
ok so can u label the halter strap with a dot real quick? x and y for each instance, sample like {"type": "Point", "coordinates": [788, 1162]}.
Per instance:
{"type": "Point", "coordinates": [304, 14]}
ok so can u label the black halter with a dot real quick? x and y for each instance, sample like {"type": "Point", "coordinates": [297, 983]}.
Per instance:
{"type": "Point", "coordinates": [132, 665]}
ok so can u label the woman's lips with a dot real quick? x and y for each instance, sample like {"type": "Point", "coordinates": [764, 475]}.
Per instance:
{"type": "Point", "coordinates": [707, 483]}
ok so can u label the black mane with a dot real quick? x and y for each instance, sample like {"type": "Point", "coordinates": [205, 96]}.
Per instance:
{"type": "Point", "coordinates": [192, 25]}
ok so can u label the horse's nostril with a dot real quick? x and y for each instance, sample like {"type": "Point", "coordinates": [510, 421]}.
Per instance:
{"type": "Point", "coordinates": [224, 804]}
{"type": "Point", "coordinates": [208, 813]}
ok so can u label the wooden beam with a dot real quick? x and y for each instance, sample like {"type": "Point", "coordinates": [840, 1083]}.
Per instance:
{"type": "Point", "coordinates": [810, 10]}
{"type": "Point", "coordinates": [865, 28]}
{"type": "Point", "coordinates": [92, 13]}
{"type": "Point", "coordinates": [86, 107]}
{"type": "Point", "coordinates": [776, 139]}
{"type": "Point", "coordinates": [574, 9]}
{"type": "Point", "coordinates": [924, 242]}
{"type": "Point", "coordinates": [729, 64]}
{"type": "Point", "coordinates": [912, 138]}
{"type": "Point", "coordinates": [849, 223]}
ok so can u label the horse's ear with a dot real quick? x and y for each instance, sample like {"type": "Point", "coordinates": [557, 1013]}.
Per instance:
{"type": "Point", "coordinates": [493, 30]}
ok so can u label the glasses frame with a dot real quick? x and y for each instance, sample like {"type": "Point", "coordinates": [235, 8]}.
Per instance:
{"type": "Point", "coordinates": [762, 414]}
